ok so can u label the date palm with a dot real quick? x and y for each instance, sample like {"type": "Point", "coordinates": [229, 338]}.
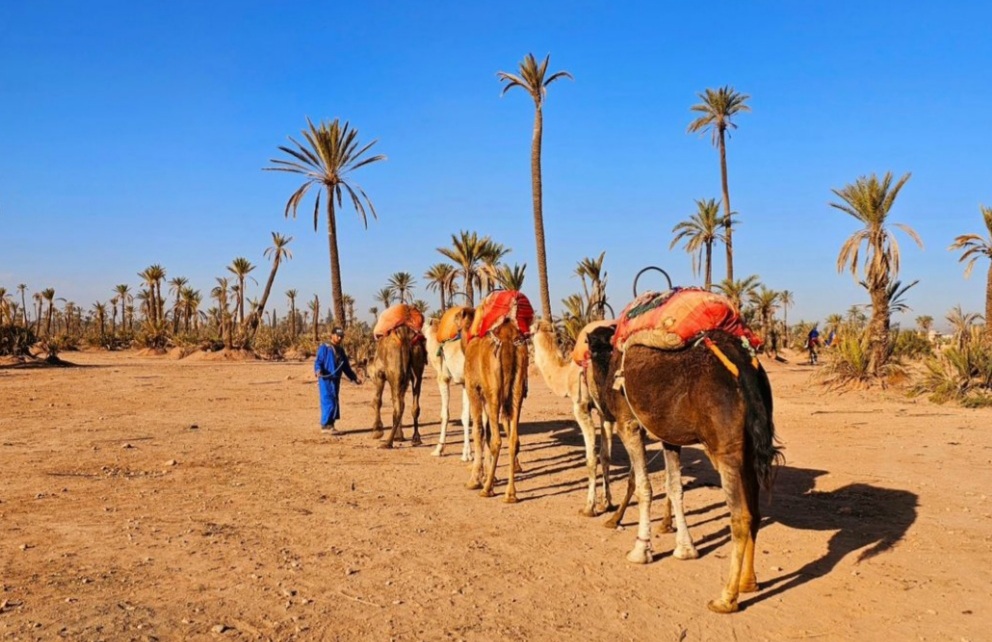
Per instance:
{"type": "Point", "coordinates": [595, 290]}
{"type": "Point", "coordinates": [924, 323]}
{"type": "Point", "coordinates": [961, 323]}
{"type": "Point", "coordinates": [291, 295]}
{"type": "Point", "coordinates": [740, 290]}
{"type": "Point", "coordinates": [717, 110]}
{"type": "Point", "coordinates": [869, 200]}
{"type": "Point", "coordinates": [466, 252]}
{"type": "Point", "coordinates": [385, 297]}
{"type": "Point", "coordinates": [440, 277]}
{"type": "Point", "coordinates": [176, 285]}
{"type": "Point", "coordinates": [100, 312]}
{"type": "Point", "coordinates": [787, 299]}
{"type": "Point", "coordinates": [975, 247]}
{"type": "Point", "coordinates": [48, 294]}
{"type": "Point", "coordinates": [765, 302]}
{"type": "Point", "coordinates": [123, 291]}
{"type": "Point", "coordinates": [401, 283]}
{"type": "Point", "coordinates": [330, 153]}
{"type": "Point", "coordinates": [153, 276]}
{"type": "Point", "coordinates": [533, 78]}
{"type": "Point", "coordinates": [492, 254]}
{"type": "Point", "coordinates": [240, 267]}
{"type": "Point", "coordinates": [4, 305]}
{"type": "Point", "coordinates": [22, 288]}
{"type": "Point", "coordinates": [511, 278]}
{"type": "Point", "coordinates": [278, 252]}
{"type": "Point", "coordinates": [315, 313]}
{"type": "Point", "coordinates": [699, 232]}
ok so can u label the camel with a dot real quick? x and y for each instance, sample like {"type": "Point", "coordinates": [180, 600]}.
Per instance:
{"type": "Point", "coordinates": [400, 357]}
{"type": "Point", "coordinates": [567, 379]}
{"type": "Point", "coordinates": [709, 392]}
{"type": "Point", "coordinates": [448, 360]}
{"type": "Point", "coordinates": [495, 379]}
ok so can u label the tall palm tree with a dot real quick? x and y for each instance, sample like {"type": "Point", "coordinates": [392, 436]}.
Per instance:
{"type": "Point", "coordinates": [787, 299]}
{"type": "Point", "coordinates": [740, 290]}
{"type": "Point", "coordinates": [699, 232]}
{"type": "Point", "coordinates": [961, 323]}
{"type": "Point", "coordinates": [4, 305]}
{"type": "Point", "coordinates": [492, 255]}
{"type": "Point", "coordinates": [240, 267]}
{"type": "Point", "coordinates": [224, 321]}
{"type": "Point", "coordinates": [100, 311]}
{"type": "Point", "coordinates": [291, 295]}
{"type": "Point", "coordinates": [765, 302]}
{"type": "Point", "coordinates": [331, 152]}
{"type": "Point", "coordinates": [22, 288]}
{"type": "Point", "coordinates": [894, 295]}
{"type": "Point", "coordinates": [532, 77]}
{"type": "Point", "coordinates": [191, 300]}
{"type": "Point", "coordinates": [975, 246]}
{"type": "Point", "coordinates": [315, 313]}
{"type": "Point", "coordinates": [123, 291]}
{"type": "Point", "coordinates": [349, 308]}
{"type": "Point", "coordinates": [439, 277]}
{"type": "Point", "coordinates": [401, 283]}
{"type": "Point", "coordinates": [278, 252]}
{"type": "Point", "coordinates": [385, 297]}
{"type": "Point", "coordinates": [466, 251]}
{"type": "Point", "coordinates": [869, 200]}
{"type": "Point", "coordinates": [153, 276]}
{"type": "Point", "coordinates": [176, 285]}
{"type": "Point", "coordinates": [48, 294]}
{"type": "Point", "coordinates": [717, 110]}
{"type": "Point", "coordinates": [511, 278]}
{"type": "Point", "coordinates": [595, 291]}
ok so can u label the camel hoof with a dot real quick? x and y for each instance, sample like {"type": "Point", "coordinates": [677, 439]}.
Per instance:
{"type": "Point", "coordinates": [604, 508]}
{"type": "Point", "coordinates": [466, 457]}
{"type": "Point", "coordinates": [666, 526]}
{"type": "Point", "coordinates": [749, 587]}
{"type": "Point", "coordinates": [721, 606]}
{"type": "Point", "coordinates": [685, 553]}
{"type": "Point", "coordinates": [612, 522]}
{"type": "Point", "coordinates": [473, 485]}
{"type": "Point", "coordinates": [486, 492]}
{"type": "Point", "coordinates": [385, 445]}
{"type": "Point", "coordinates": [437, 452]}
{"type": "Point", "coordinates": [510, 499]}
{"type": "Point", "coordinates": [587, 512]}
{"type": "Point", "coordinates": [416, 440]}
{"type": "Point", "coordinates": [639, 556]}
{"type": "Point", "coordinates": [376, 433]}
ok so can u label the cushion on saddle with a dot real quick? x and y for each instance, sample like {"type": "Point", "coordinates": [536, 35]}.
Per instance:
{"type": "Point", "coordinates": [447, 327]}
{"type": "Point", "coordinates": [580, 354]}
{"type": "Point", "coordinates": [397, 315]}
{"type": "Point", "coordinates": [667, 320]}
{"type": "Point", "coordinates": [499, 306]}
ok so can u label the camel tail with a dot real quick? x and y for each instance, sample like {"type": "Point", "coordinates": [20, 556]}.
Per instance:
{"type": "Point", "coordinates": [766, 454]}
{"type": "Point", "coordinates": [507, 362]}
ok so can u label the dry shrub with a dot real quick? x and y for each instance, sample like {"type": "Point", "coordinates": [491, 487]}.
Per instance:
{"type": "Point", "coordinates": [848, 366]}
{"type": "Point", "coordinates": [960, 373]}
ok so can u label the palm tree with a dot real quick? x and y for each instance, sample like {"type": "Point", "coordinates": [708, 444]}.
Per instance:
{"type": "Point", "coordinates": [511, 278]}
{"type": "Point", "coordinates": [291, 295]}
{"type": "Point", "coordinates": [739, 291]}
{"type": "Point", "coordinates": [869, 201]}
{"type": "Point", "coordinates": [330, 154]}
{"type": "Point", "coordinates": [123, 291]}
{"type": "Point", "coordinates": [100, 310]}
{"type": "Point", "coordinates": [385, 297]}
{"type": "Point", "coordinates": [975, 246]}
{"type": "Point", "coordinates": [786, 298]}
{"type": "Point", "coordinates": [315, 313]}
{"type": "Point", "coordinates": [153, 276]}
{"type": "Point", "coordinates": [961, 323]}
{"type": "Point", "coordinates": [224, 321]}
{"type": "Point", "coordinates": [595, 292]}
{"type": "Point", "coordinates": [4, 305]}
{"type": "Point", "coordinates": [240, 267]}
{"type": "Point", "coordinates": [466, 251]}
{"type": "Point", "coordinates": [400, 284]}
{"type": "Point", "coordinates": [191, 302]}
{"type": "Point", "coordinates": [924, 323]}
{"type": "Point", "coordinates": [278, 252]}
{"type": "Point", "coordinates": [492, 254]}
{"type": "Point", "coordinates": [531, 78]}
{"type": "Point", "coordinates": [894, 295]}
{"type": "Point", "coordinates": [699, 232]}
{"type": "Point", "coordinates": [349, 308]}
{"type": "Point", "coordinates": [439, 277]}
{"type": "Point", "coordinates": [22, 288]}
{"type": "Point", "coordinates": [765, 302]}
{"type": "Point", "coordinates": [176, 285]}
{"type": "Point", "coordinates": [421, 306]}
{"type": "Point", "coordinates": [48, 294]}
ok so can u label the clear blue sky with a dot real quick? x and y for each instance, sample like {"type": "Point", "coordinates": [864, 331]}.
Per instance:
{"type": "Point", "coordinates": [135, 133]}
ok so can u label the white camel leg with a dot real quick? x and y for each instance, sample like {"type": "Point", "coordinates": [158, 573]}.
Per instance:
{"type": "Point", "coordinates": [444, 389]}
{"type": "Point", "coordinates": [684, 548]}
{"type": "Point", "coordinates": [584, 419]}
{"type": "Point", "coordinates": [466, 428]}
{"type": "Point", "coordinates": [641, 553]}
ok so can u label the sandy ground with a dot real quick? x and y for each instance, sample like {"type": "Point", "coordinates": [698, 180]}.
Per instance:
{"type": "Point", "coordinates": [145, 498]}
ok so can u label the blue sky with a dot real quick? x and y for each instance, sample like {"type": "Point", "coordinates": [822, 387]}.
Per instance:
{"type": "Point", "coordinates": [135, 133]}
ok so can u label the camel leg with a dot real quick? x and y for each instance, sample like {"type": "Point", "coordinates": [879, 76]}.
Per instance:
{"type": "Point", "coordinates": [605, 458]}
{"type": "Point", "coordinates": [495, 443]}
{"type": "Point", "coordinates": [443, 387]}
{"type": "Point", "coordinates": [749, 582]}
{"type": "Point", "coordinates": [740, 533]}
{"type": "Point", "coordinates": [415, 409]}
{"type": "Point", "coordinates": [398, 391]}
{"type": "Point", "coordinates": [466, 428]}
{"type": "Point", "coordinates": [475, 476]}
{"type": "Point", "coordinates": [632, 439]}
{"type": "Point", "coordinates": [684, 549]}
{"type": "Point", "coordinates": [511, 484]}
{"type": "Point", "coordinates": [614, 521]}
{"type": "Point", "coordinates": [380, 383]}
{"type": "Point", "coordinates": [584, 419]}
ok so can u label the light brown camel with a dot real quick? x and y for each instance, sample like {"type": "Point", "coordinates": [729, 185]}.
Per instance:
{"type": "Point", "coordinates": [495, 379]}
{"type": "Point", "coordinates": [448, 360]}
{"type": "Point", "coordinates": [709, 392]}
{"type": "Point", "coordinates": [568, 379]}
{"type": "Point", "coordinates": [400, 357]}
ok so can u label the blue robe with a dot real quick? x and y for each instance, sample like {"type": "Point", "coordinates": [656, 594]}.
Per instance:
{"type": "Point", "coordinates": [328, 379]}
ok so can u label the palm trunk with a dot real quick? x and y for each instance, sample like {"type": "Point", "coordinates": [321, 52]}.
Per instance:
{"type": "Point", "coordinates": [878, 330]}
{"type": "Point", "coordinates": [709, 265]}
{"type": "Point", "coordinates": [332, 243]}
{"type": "Point", "coordinates": [469, 288]}
{"type": "Point", "coordinates": [256, 315]}
{"type": "Point", "coordinates": [535, 178]}
{"type": "Point", "coordinates": [726, 208]}
{"type": "Point", "coordinates": [24, 309]}
{"type": "Point", "coordinates": [316, 319]}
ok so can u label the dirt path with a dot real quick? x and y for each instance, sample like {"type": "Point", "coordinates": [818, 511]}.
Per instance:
{"type": "Point", "coordinates": [151, 499]}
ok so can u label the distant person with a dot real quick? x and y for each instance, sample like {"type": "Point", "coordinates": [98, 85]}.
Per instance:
{"type": "Point", "coordinates": [812, 341]}
{"type": "Point", "coordinates": [330, 364]}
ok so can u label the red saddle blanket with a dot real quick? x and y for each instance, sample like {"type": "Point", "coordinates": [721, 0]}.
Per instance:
{"type": "Point", "coordinates": [667, 320]}
{"type": "Point", "coordinates": [499, 306]}
{"type": "Point", "coordinates": [397, 315]}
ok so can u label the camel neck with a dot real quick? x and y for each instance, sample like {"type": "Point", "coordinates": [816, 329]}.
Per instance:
{"type": "Point", "coordinates": [554, 368]}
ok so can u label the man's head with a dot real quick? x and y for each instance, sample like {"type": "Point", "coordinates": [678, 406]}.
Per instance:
{"type": "Point", "coordinates": [337, 334]}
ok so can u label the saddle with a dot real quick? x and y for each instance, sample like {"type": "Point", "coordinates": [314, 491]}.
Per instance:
{"type": "Point", "coordinates": [499, 306]}
{"type": "Point", "coordinates": [397, 315]}
{"type": "Point", "coordinates": [448, 327]}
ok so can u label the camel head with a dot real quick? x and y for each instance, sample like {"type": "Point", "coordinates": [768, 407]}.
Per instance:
{"type": "Point", "coordinates": [543, 325]}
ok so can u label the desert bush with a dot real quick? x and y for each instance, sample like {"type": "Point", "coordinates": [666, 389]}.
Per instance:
{"type": "Point", "coordinates": [270, 343]}
{"type": "Point", "coordinates": [911, 345]}
{"type": "Point", "coordinates": [152, 335]}
{"type": "Point", "coordinates": [16, 340]}
{"type": "Point", "coordinates": [959, 373]}
{"type": "Point", "coordinates": [849, 361]}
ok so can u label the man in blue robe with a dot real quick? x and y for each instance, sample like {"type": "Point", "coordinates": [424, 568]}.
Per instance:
{"type": "Point", "coordinates": [330, 364]}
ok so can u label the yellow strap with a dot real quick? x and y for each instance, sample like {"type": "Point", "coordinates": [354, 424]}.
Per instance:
{"type": "Point", "coordinates": [722, 357]}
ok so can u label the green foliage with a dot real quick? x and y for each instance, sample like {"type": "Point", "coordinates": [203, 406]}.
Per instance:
{"type": "Point", "coordinates": [153, 335]}
{"type": "Point", "coordinates": [849, 361]}
{"type": "Point", "coordinates": [960, 373]}
{"type": "Point", "coordinates": [16, 340]}
{"type": "Point", "coordinates": [911, 345]}
{"type": "Point", "coordinates": [270, 343]}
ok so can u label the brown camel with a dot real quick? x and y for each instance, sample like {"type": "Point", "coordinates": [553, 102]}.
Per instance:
{"type": "Point", "coordinates": [400, 357]}
{"type": "Point", "coordinates": [709, 392]}
{"type": "Point", "coordinates": [495, 379]}
{"type": "Point", "coordinates": [448, 360]}
{"type": "Point", "coordinates": [568, 379]}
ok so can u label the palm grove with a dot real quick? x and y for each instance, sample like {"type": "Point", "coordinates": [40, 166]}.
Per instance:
{"type": "Point", "coordinates": [327, 155]}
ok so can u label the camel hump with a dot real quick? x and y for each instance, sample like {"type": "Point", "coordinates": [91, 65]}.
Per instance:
{"type": "Point", "coordinates": [397, 315]}
{"type": "Point", "coordinates": [668, 320]}
{"type": "Point", "coordinates": [499, 306]}
{"type": "Point", "coordinates": [581, 354]}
